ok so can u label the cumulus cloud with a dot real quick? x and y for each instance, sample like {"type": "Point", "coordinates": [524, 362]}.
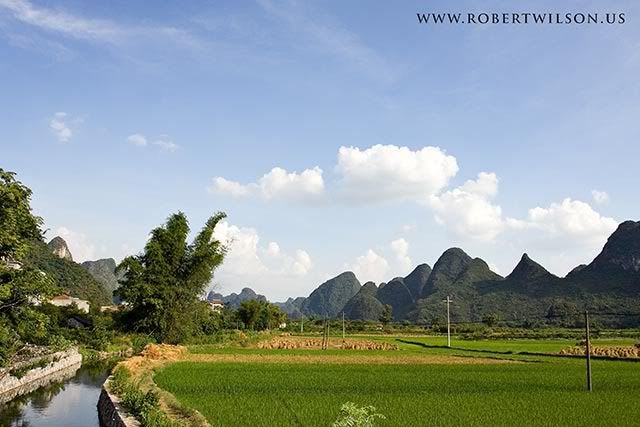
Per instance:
{"type": "Point", "coordinates": [301, 263]}
{"type": "Point", "coordinates": [266, 268]}
{"type": "Point", "coordinates": [137, 139]}
{"type": "Point", "coordinates": [79, 245]}
{"type": "Point", "coordinates": [599, 197]}
{"type": "Point", "coordinates": [384, 172]}
{"type": "Point", "coordinates": [400, 248]}
{"type": "Point", "coordinates": [276, 184]}
{"type": "Point", "coordinates": [468, 211]}
{"type": "Point", "coordinates": [571, 220]}
{"type": "Point", "coordinates": [370, 267]}
{"type": "Point", "coordinates": [60, 128]}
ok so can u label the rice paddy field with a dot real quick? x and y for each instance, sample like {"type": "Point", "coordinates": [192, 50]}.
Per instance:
{"type": "Point", "coordinates": [422, 383]}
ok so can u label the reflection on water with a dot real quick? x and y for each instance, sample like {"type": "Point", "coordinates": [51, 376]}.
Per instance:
{"type": "Point", "coordinates": [68, 403]}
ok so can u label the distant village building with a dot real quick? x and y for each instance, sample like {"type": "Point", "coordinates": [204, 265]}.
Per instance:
{"type": "Point", "coordinates": [216, 305]}
{"type": "Point", "coordinates": [9, 262]}
{"type": "Point", "coordinates": [110, 308]}
{"type": "Point", "coordinates": [65, 300]}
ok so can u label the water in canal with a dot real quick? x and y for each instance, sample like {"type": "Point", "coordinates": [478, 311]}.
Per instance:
{"type": "Point", "coordinates": [68, 403]}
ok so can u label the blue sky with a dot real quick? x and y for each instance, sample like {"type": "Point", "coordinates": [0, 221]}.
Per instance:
{"type": "Point", "coordinates": [117, 114]}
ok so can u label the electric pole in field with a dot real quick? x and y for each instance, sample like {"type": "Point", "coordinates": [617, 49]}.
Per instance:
{"type": "Point", "coordinates": [302, 324]}
{"type": "Point", "coordinates": [448, 301]}
{"type": "Point", "coordinates": [343, 326]}
{"type": "Point", "coordinates": [588, 349]}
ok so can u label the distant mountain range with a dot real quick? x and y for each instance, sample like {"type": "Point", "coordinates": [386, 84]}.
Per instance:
{"type": "Point", "coordinates": [234, 300]}
{"type": "Point", "coordinates": [610, 283]}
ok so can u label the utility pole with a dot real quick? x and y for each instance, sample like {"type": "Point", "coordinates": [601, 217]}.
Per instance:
{"type": "Point", "coordinates": [343, 326]}
{"type": "Point", "coordinates": [588, 349]}
{"type": "Point", "coordinates": [448, 301]}
{"type": "Point", "coordinates": [302, 324]}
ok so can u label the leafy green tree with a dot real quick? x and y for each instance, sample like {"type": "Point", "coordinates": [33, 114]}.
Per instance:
{"type": "Point", "coordinates": [490, 319]}
{"type": "Point", "coordinates": [387, 314]}
{"type": "Point", "coordinates": [162, 285]}
{"type": "Point", "coordinates": [20, 286]}
{"type": "Point", "coordinates": [249, 313]}
{"type": "Point", "coordinates": [260, 315]}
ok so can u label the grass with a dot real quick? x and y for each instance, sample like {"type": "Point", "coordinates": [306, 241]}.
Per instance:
{"type": "Point", "coordinates": [548, 392]}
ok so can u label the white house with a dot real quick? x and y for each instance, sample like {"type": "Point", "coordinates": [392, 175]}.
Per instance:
{"type": "Point", "coordinates": [216, 305]}
{"type": "Point", "coordinates": [65, 300]}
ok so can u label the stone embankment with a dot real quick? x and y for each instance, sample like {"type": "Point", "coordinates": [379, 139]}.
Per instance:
{"type": "Point", "coordinates": [111, 412]}
{"type": "Point", "coordinates": [31, 374]}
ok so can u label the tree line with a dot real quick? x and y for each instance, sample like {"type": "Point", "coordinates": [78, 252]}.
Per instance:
{"type": "Point", "coordinates": [161, 287]}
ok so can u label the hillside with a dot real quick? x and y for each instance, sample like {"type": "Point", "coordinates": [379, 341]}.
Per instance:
{"type": "Point", "coordinates": [292, 307]}
{"type": "Point", "coordinates": [455, 274]}
{"type": "Point", "coordinates": [59, 248]}
{"type": "Point", "coordinates": [397, 295]}
{"type": "Point", "coordinates": [104, 271]}
{"type": "Point", "coordinates": [71, 277]}
{"type": "Point", "coordinates": [616, 270]}
{"type": "Point", "coordinates": [234, 300]}
{"type": "Point", "coordinates": [330, 297]}
{"type": "Point", "coordinates": [364, 305]}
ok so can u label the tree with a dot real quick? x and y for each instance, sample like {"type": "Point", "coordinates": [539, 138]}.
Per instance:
{"type": "Point", "coordinates": [260, 315]}
{"type": "Point", "coordinates": [490, 319]}
{"type": "Point", "coordinates": [249, 312]}
{"type": "Point", "coordinates": [387, 314]}
{"type": "Point", "coordinates": [162, 284]}
{"type": "Point", "coordinates": [20, 286]}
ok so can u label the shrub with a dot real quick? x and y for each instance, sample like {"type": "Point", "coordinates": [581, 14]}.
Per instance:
{"type": "Point", "coordinates": [353, 416]}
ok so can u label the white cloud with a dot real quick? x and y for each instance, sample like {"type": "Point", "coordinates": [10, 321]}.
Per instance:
{"type": "Point", "coordinates": [79, 245]}
{"type": "Point", "coordinates": [302, 263]}
{"type": "Point", "coordinates": [233, 188]}
{"type": "Point", "coordinates": [266, 269]}
{"type": "Point", "coordinates": [600, 197]}
{"type": "Point", "coordinates": [61, 22]}
{"type": "Point", "coordinates": [370, 267]}
{"type": "Point", "coordinates": [571, 221]}
{"type": "Point", "coordinates": [385, 172]}
{"type": "Point", "coordinates": [163, 143]}
{"type": "Point", "coordinates": [278, 183]}
{"type": "Point", "coordinates": [273, 249]}
{"type": "Point", "coordinates": [400, 248]}
{"type": "Point", "coordinates": [468, 211]}
{"type": "Point", "coordinates": [166, 144]}
{"type": "Point", "coordinates": [59, 126]}
{"type": "Point", "coordinates": [137, 139]}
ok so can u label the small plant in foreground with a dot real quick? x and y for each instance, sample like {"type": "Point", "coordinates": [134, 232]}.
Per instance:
{"type": "Point", "coordinates": [353, 416]}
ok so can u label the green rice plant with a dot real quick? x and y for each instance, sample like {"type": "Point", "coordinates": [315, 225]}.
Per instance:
{"type": "Point", "coordinates": [540, 393]}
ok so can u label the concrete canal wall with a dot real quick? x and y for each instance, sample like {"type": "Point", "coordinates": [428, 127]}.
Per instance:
{"type": "Point", "coordinates": [38, 372]}
{"type": "Point", "coordinates": [110, 410]}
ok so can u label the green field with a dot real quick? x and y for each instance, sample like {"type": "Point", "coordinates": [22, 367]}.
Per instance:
{"type": "Point", "coordinates": [538, 391]}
